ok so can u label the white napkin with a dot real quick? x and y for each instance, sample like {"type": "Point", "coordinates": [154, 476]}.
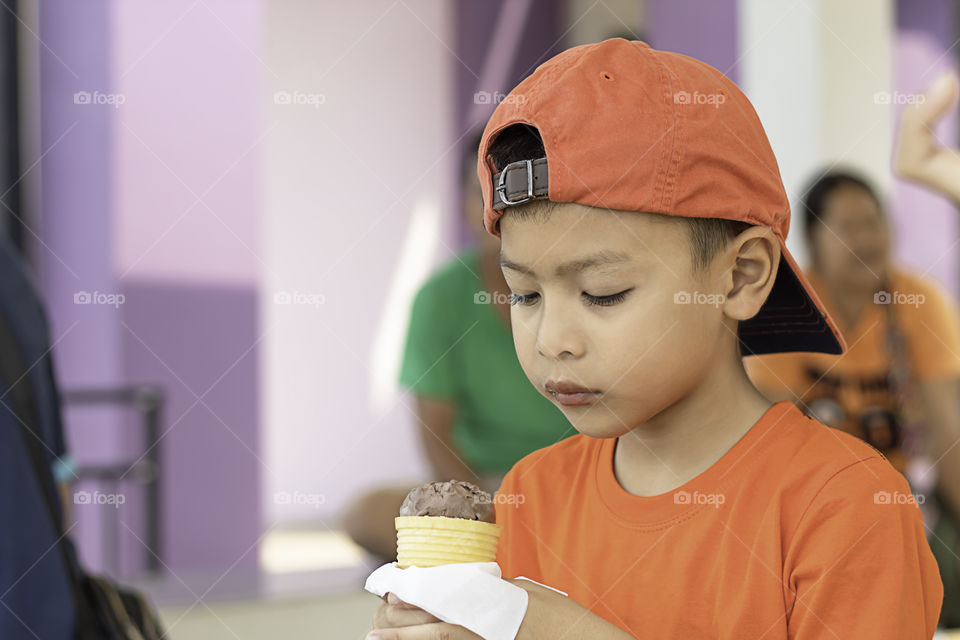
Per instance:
{"type": "Point", "coordinates": [470, 594]}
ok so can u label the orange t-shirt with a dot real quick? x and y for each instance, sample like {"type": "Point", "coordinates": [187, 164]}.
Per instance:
{"type": "Point", "coordinates": [928, 320]}
{"type": "Point", "coordinates": [798, 531]}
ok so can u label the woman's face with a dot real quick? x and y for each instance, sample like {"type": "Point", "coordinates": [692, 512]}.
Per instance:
{"type": "Point", "coordinates": [850, 245]}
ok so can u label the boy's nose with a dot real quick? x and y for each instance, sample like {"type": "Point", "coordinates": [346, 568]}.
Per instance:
{"type": "Point", "coordinates": [557, 337]}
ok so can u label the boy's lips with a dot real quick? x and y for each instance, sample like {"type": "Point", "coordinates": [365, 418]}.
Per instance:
{"type": "Point", "coordinates": [571, 394]}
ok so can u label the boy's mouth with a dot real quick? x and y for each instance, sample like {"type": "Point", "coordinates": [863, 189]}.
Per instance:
{"type": "Point", "coordinates": [571, 394]}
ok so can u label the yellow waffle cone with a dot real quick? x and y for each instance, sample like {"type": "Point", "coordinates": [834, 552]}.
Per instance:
{"type": "Point", "coordinates": [429, 541]}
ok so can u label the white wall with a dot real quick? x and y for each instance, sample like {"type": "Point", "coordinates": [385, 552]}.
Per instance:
{"type": "Point", "coordinates": [811, 70]}
{"type": "Point", "coordinates": [343, 177]}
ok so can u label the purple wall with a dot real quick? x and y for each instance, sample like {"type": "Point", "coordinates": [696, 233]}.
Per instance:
{"type": "Point", "coordinates": [706, 31]}
{"type": "Point", "coordinates": [936, 18]}
{"type": "Point", "coordinates": [77, 194]}
{"type": "Point", "coordinates": [77, 204]}
{"type": "Point", "coordinates": [200, 341]}
{"type": "Point", "coordinates": [117, 183]}
{"type": "Point", "coordinates": [476, 21]}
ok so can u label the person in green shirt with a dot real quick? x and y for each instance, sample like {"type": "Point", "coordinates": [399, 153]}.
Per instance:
{"type": "Point", "coordinates": [459, 353]}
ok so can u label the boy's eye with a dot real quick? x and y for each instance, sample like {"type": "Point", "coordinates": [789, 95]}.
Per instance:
{"type": "Point", "coordinates": [529, 298]}
{"type": "Point", "coordinates": [606, 301]}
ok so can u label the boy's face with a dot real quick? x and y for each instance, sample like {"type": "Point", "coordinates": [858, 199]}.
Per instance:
{"type": "Point", "coordinates": [608, 300]}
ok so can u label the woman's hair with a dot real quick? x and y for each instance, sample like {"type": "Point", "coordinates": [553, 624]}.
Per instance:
{"type": "Point", "coordinates": [815, 201]}
{"type": "Point", "coordinates": [708, 236]}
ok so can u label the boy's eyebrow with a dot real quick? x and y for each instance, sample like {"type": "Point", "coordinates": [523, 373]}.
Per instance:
{"type": "Point", "coordinates": [595, 260]}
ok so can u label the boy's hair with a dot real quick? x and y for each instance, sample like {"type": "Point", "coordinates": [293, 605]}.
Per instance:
{"type": "Point", "coordinates": [708, 236]}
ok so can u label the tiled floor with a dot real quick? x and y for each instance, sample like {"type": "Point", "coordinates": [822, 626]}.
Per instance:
{"type": "Point", "coordinates": [340, 617]}
{"type": "Point", "coordinates": [311, 586]}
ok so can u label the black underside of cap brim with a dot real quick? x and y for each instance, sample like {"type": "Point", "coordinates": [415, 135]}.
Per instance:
{"type": "Point", "coordinates": [789, 321]}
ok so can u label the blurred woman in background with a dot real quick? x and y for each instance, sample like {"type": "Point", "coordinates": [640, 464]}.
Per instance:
{"type": "Point", "coordinates": [898, 384]}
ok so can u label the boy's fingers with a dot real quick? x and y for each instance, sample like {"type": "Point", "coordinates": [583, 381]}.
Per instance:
{"type": "Point", "coordinates": [391, 598]}
{"type": "Point", "coordinates": [387, 616]}
{"type": "Point", "coordinates": [437, 631]}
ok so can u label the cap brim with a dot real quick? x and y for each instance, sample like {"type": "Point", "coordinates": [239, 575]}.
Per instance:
{"type": "Point", "coordinates": [792, 319]}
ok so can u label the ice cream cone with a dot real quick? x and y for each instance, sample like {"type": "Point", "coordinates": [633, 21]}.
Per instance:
{"type": "Point", "coordinates": [429, 541]}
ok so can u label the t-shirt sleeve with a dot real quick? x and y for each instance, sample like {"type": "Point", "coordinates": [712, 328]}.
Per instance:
{"type": "Point", "coordinates": [934, 341]}
{"type": "Point", "coordinates": [428, 366]}
{"type": "Point", "coordinates": [858, 565]}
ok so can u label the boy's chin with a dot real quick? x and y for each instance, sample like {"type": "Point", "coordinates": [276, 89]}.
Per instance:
{"type": "Point", "coordinates": [606, 426]}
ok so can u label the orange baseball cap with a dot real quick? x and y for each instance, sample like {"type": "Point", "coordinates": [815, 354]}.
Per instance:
{"type": "Point", "coordinates": [627, 127]}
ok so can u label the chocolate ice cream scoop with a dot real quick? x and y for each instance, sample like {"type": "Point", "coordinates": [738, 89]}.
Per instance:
{"type": "Point", "coordinates": [452, 499]}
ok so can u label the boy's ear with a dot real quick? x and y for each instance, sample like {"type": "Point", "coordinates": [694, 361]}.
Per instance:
{"type": "Point", "coordinates": [752, 260]}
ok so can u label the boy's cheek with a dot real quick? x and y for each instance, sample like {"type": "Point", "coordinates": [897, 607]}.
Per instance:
{"type": "Point", "coordinates": [525, 345]}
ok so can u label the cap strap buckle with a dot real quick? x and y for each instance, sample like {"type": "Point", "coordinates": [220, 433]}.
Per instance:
{"type": "Point", "coordinates": [502, 184]}
{"type": "Point", "coordinates": [509, 183]}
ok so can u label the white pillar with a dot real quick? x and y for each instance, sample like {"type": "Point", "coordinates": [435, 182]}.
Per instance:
{"type": "Point", "coordinates": [813, 69]}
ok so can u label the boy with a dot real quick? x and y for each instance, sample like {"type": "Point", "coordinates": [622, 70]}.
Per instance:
{"type": "Point", "coordinates": [642, 220]}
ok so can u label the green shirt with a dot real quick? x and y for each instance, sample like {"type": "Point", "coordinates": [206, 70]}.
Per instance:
{"type": "Point", "coordinates": [459, 348]}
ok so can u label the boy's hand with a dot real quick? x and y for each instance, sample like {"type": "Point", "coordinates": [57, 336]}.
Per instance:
{"type": "Point", "coordinates": [397, 620]}
{"type": "Point", "coordinates": [919, 156]}
{"type": "Point", "coordinates": [549, 615]}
